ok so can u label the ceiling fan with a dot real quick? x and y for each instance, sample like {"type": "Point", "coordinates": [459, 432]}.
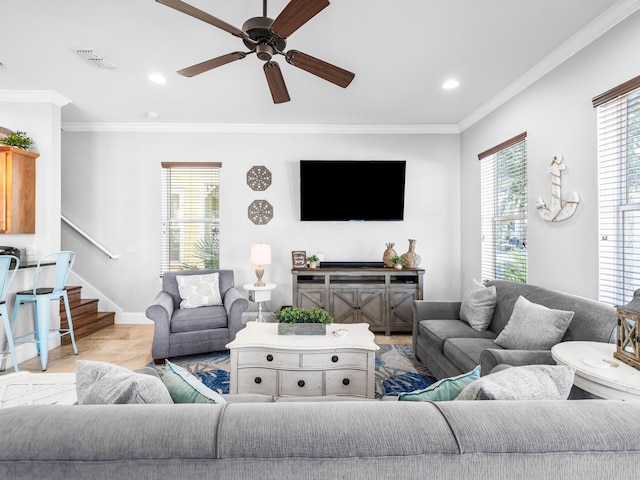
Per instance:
{"type": "Point", "coordinates": [266, 38]}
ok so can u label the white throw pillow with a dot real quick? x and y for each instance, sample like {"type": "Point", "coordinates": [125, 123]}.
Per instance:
{"type": "Point", "coordinates": [478, 304]}
{"type": "Point", "coordinates": [528, 382]}
{"type": "Point", "coordinates": [199, 290]}
{"type": "Point", "coordinates": [100, 383]}
{"type": "Point", "coordinates": [533, 327]}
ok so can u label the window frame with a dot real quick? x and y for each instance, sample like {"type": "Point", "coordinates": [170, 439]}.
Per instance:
{"type": "Point", "coordinates": [190, 199]}
{"type": "Point", "coordinates": [495, 263]}
{"type": "Point", "coordinates": [619, 245]}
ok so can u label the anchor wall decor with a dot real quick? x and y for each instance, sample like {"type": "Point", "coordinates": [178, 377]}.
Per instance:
{"type": "Point", "coordinates": [560, 209]}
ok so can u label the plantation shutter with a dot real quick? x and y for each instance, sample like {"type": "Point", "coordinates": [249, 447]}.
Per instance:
{"type": "Point", "coordinates": [190, 216]}
{"type": "Point", "coordinates": [503, 176]}
{"type": "Point", "coordinates": [618, 116]}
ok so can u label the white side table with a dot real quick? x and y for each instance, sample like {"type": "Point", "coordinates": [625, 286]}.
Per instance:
{"type": "Point", "coordinates": [259, 295]}
{"type": "Point", "coordinates": [596, 370]}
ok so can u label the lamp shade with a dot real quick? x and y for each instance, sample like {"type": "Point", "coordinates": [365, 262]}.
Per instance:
{"type": "Point", "coordinates": [260, 254]}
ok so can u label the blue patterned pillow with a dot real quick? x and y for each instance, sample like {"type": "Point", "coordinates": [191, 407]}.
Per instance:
{"type": "Point", "coordinates": [442, 390]}
{"type": "Point", "coordinates": [187, 388]}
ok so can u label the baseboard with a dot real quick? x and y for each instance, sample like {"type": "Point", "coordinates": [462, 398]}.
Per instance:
{"type": "Point", "coordinates": [132, 318]}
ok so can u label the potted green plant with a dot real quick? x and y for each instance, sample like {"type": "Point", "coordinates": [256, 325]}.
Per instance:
{"type": "Point", "coordinates": [397, 261]}
{"type": "Point", "coordinates": [18, 140]}
{"type": "Point", "coordinates": [313, 261]}
{"type": "Point", "coordinates": [302, 321]}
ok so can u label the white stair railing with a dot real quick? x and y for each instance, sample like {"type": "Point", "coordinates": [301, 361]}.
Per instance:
{"type": "Point", "coordinates": [88, 237]}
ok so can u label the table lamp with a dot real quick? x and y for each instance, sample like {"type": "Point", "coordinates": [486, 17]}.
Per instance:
{"type": "Point", "coordinates": [260, 255]}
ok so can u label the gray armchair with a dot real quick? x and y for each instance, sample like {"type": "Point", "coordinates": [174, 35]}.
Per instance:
{"type": "Point", "coordinates": [194, 330]}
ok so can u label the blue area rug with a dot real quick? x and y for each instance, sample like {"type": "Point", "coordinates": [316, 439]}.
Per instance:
{"type": "Point", "coordinates": [397, 370]}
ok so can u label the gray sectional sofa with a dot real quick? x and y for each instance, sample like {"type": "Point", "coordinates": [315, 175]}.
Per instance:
{"type": "Point", "coordinates": [448, 346]}
{"type": "Point", "coordinates": [584, 439]}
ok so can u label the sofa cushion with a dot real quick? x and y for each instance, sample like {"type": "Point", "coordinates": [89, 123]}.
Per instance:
{"type": "Point", "coordinates": [438, 331]}
{"type": "Point", "coordinates": [186, 388]}
{"type": "Point", "coordinates": [478, 304]}
{"type": "Point", "coordinates": [530, 382]}
{"type": "Point", "coordinates": [534, 327]}
{"type": "Point", "coordinates": [100, 383]}
{"type": "Point", "coordinates": [442, 390]}
{"type": "Point", "coordinates": [199, 290]}
{"type": "Point", "coordinates": [203, 318]}
{"type": "Point", "coordinates": [465, 353]}
{"type": "Point", "coordinates": [508, 293]}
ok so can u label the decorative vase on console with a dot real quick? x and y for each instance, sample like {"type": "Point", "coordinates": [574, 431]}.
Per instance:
{"type": "Point", "coordinates": [389, 253]}
{"type": "Point", "coordinates": [411, 258]}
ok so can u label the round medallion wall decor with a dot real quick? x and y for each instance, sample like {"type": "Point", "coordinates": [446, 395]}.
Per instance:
{"type": "Point", "coordinates": [260, 212]}
{"type": "Point", "coordinates": [259, 178]}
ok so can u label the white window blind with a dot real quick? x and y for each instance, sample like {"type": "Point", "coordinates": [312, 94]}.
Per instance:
{"type": "Point", "coordinates": [503, 172]}
{"type": "Point", "coordinates": [618, 113]}
{"type": "Point", "coordinates": [190, 216]}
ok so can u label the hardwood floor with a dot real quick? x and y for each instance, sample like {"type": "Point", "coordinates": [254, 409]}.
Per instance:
{"type": "Point", "coordinates": [126, 345]}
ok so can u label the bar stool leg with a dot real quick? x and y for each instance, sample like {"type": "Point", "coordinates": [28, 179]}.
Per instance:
{"type": "Point", "coordinates": [43, 308]}
{"type": "Point", "coordinates": [9, 339]}
{"type": "Point", "coordinates": [69, 321]}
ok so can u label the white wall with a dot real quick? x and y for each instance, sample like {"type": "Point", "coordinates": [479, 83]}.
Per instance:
{"type": "Point", "coordinates": [41, 121]}
{"type": "Point", "coordinates": [111, 189]}
{"type": "Point", "coordinates": [557, 115]}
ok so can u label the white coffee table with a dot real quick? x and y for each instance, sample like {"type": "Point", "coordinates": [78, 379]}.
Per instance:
{"type": "Point", "coordinates": [594, 374]}
{"type": "Point", "coordinates": [303, 365]}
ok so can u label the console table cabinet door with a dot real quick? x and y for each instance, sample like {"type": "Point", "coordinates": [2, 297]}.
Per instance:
{"type": "Point", "coordinates": [17, 190]}
{"type": "Point", "coordinates": [343, 305]}
{"type": "Point", "coordinates": [371, 308]}
{"type": "Point", "coordinates": [311, 298]}
{"type": "Point", "coordinates": [400, 302]}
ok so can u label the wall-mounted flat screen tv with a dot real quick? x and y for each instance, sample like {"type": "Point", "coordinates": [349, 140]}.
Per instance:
{"type": "Point", "coordinates": [352, 190]}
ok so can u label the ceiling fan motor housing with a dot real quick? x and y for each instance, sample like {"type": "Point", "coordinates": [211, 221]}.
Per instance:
{"type": "Point", "coordinates": [266, 43]}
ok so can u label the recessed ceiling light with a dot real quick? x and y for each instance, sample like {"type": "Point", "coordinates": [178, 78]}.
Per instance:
{"type": "Point", "coordinates": [153, 115]}
{"type": "Point", "coordinates": [450, 84]}
{"type": "Point", "coordinates": [157, 78]}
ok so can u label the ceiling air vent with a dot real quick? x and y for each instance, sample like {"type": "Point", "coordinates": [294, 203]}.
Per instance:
{"type": "Point", "coordinates": [94, 58]}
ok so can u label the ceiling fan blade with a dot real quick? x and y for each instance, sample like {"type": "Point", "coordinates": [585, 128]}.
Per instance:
{"type": "Point", "coordinates": [204, 16]}
{"type": "Point", "coordinates": [211, 64]}
{"type": "Point", "coordinates": [331, 73]}
{"type": "Point", "coordinates": [296, 14]}
{"type": "Point", "coordinates": [276, 83]}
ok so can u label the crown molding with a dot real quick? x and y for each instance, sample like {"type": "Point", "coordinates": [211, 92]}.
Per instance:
{"type": "Point", "coordinates": [262, 128]}
{"type": "Point", "coordinates": [599, 26]}
{"type": "Point", "coordinates": [34, 96]}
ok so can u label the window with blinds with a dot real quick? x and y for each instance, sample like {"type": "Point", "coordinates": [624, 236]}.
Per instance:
{"type": "Point", "coordinates": [503, 173]}
{"type": "Point", "coordinates": [190, 218]}
{"type": "Point", "coordinates": [618, 113]}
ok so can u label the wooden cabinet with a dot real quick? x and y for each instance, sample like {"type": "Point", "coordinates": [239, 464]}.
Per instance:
{"type": "Point", "coordinates": [17, 190]}
{"type": "Point", "coordinates": [381, 297]}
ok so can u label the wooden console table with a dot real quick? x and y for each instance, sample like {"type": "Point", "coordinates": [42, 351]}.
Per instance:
{"type": "Point", "coordinates": [379, 296]}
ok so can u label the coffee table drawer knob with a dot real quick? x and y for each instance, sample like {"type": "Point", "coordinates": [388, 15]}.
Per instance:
{"type": "Point", "coordinates": [301, 383]}
{"type": "Point", "coordinates": [345, 381]}
{"type": "Point", "coordinates": [258, 380]}
{"type": "Point", "coordinates": [335, 359]}
{"type": "Point", "coordinates": [269, 358]}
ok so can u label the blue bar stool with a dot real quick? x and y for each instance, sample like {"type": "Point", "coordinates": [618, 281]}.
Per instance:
{"type": "Point", "coordinates": [42, 298]}
{"type": "Point", "coordinates": [7, 262]}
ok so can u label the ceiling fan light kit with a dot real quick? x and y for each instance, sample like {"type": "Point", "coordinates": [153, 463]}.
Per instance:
{"type": "Point", "coordinates": [266, 38]}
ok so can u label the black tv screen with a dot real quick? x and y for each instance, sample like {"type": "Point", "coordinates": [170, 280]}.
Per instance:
{"type": "Point", "coordinates": [352, 190]}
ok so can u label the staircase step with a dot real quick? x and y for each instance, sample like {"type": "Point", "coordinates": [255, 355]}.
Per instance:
{"type": "Point", "coordinates": [74, 294]}
{"type": "Point", "coordinates": [82, 307]}
{"type": "Point", "coordinates": [87, 324]}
